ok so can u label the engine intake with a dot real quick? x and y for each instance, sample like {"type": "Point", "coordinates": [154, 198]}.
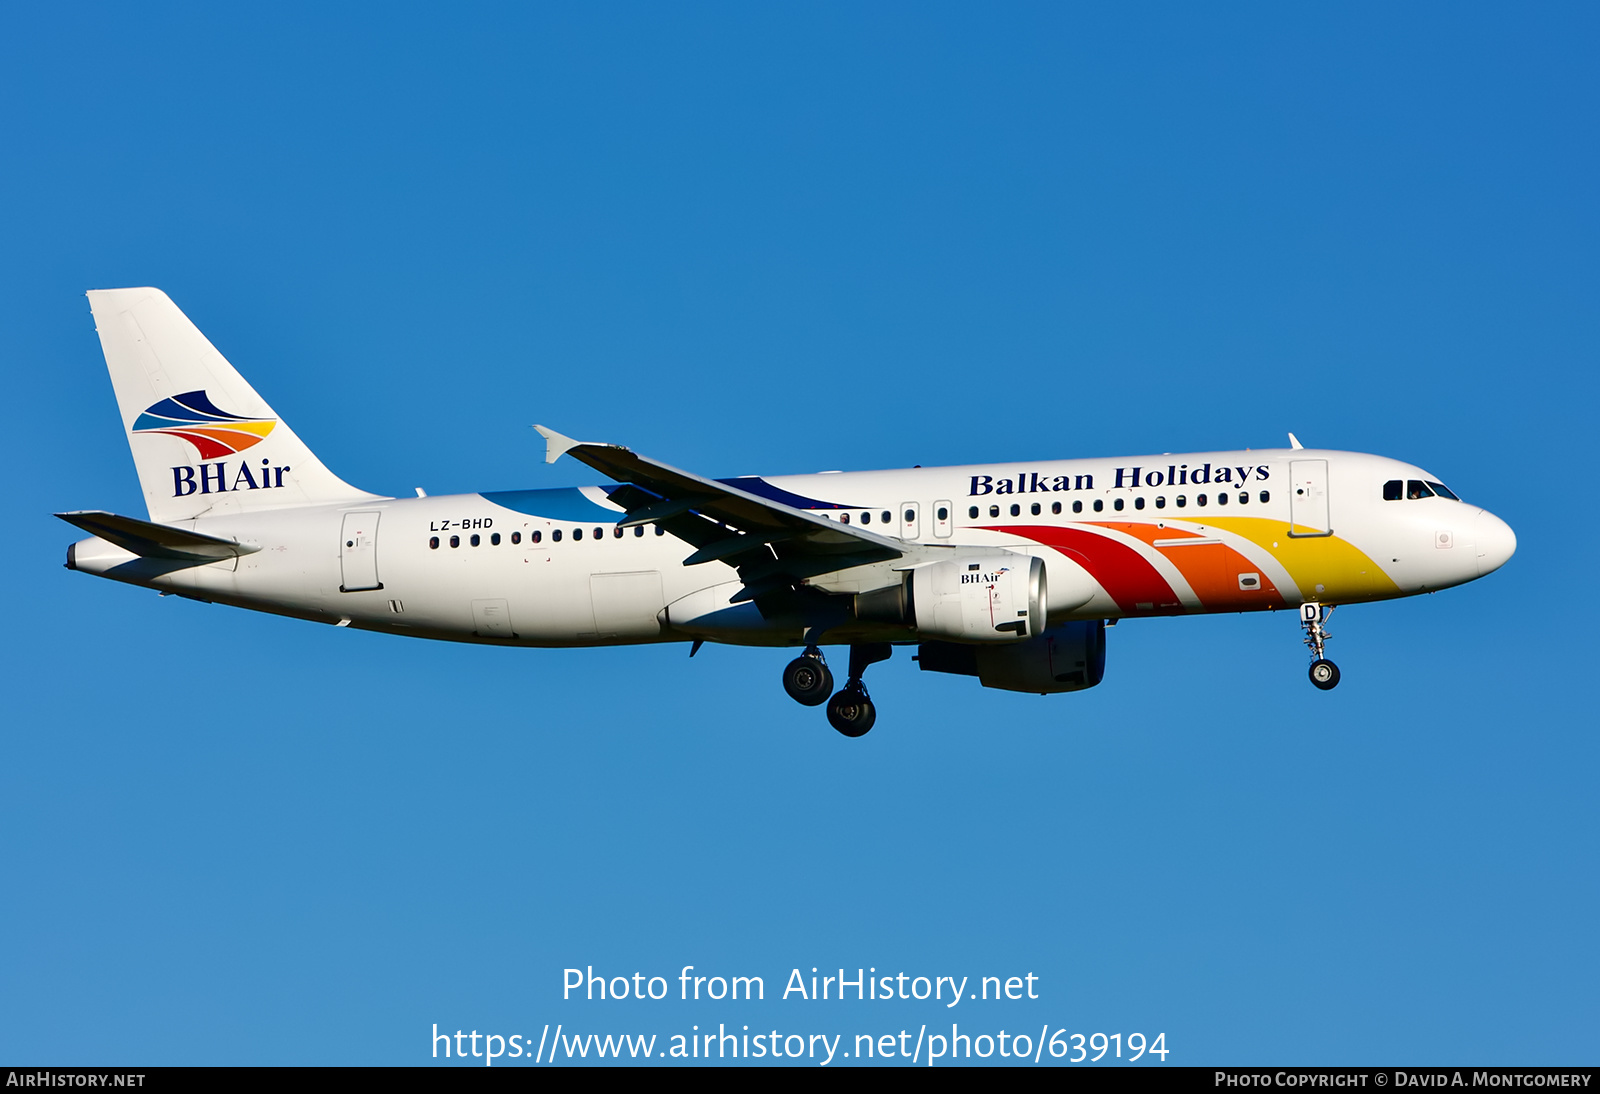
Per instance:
{"type": "Point", "coordinates": [991, 599]}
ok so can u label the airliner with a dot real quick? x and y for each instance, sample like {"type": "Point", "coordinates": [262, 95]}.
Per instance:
{"type": "Point", "coordinates": [1007, 572]}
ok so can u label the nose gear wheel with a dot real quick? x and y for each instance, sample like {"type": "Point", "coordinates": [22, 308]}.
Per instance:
{"type": "Point", "coordinates": [1324, 674]}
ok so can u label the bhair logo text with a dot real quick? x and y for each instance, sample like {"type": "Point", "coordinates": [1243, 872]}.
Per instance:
{"type": "Point", "coordinates": [215, 478]}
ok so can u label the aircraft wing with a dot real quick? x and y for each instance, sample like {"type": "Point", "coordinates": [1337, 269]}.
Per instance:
{"type": "Point", "coordinates": [771, 544]}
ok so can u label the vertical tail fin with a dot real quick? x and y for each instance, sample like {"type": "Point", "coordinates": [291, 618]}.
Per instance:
{"type": "Point", "coordinates": [203, 441]}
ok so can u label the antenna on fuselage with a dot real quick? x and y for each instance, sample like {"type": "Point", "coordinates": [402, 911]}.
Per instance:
{"type": "Point", "coordinates": [1294, 442]}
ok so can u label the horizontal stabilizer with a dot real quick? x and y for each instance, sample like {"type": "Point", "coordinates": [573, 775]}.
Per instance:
{"type": "Point", "coordinates": [149, 540]}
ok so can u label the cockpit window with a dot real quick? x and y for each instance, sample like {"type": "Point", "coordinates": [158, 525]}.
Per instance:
{"type": "Point", "coordinates": [1414, 489]}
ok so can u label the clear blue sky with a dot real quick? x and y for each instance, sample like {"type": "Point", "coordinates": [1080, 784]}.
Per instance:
{"type": "Point", "coordinates": [775, 238]}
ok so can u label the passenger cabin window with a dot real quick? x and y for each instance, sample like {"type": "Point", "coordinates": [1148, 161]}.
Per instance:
{"type": "Point", "coordinates": [494, 539]}
{"type": "Point", "coordinates": [476, 539]}
{"type": "Point", "coordinates": [1244, 497]}
{"type": "Point", "coordinates": [1200, 499]}
{"type": "Point", "coordinates": [1077, 507]}
{"type": "Point", "coordinates": [1016, 510]}
{"type": "Point", "coordinates": [577, 533]}
{"type": "Point", "coordinates": [884, 516]}
{"type": "Point", "coordinates": [1034, 509]}
{"type": "Point", "coordinates": [1416, 490]}
{"type": "Point", "coordinates": [616, 533]}
{"type": "Point", "coordinates": [1055, 507]}
{"type": "Point", "coordinates": [911, 514]}
{"type": "Point", "coordinates": [638, 529]}
{"type": "Point", "coordinates": [1182, 501]}
{"type": "Point", "coordinates": [1138, 503]}
{"type": "Point", "coordinates": [994, 510]}
{"type": "Point", "coordinates": [844, 518]}
{"type": "Point", "coordinates": [599, 533]}
{"type": "Point", "coordinates": [535, 537]}
{"type": "Point", "coordinates": [555, 536]}
{"type": "Point", "coordinates": [660, 531]}
{"type": "Point", "coordinates": [1222, 499]}
{"type": "Point", "coordinates": [433, 544]}
{"type": "Point", "coordinates": [972, 512]}
{"type": "Point", "coordinates": [1099, 506]}
{"type": "Point", "coordinates": [1393, 490]}
{"type": "Point", "coordinates": [1266, 496]}
{"type": "Point", "coordinates": [1117, 505]}
{"type": "Point", "coordinates": [1161, 501]}
{"type": "Point", "coordinates": [943, 514]}
{"type": "Point", "coordinates": [516, 537]}
{"type": "Point", "coordinates": [866, 518]}
{"type": "Point", "coordinates": [455, 541]}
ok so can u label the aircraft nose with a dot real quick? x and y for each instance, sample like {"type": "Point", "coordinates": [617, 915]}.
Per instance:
{"type": "Point", "coordinates": [1496, 542]}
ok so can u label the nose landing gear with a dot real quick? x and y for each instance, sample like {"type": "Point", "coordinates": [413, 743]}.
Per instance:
{"type": "Point", "coordinates": [1324, 673]}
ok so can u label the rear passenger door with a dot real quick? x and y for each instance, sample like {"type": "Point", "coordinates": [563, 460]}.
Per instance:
{"type": "Point", "coordinates": [358, 553]}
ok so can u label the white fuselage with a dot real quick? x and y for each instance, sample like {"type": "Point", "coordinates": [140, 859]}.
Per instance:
{"type": "Point", "coordinates": [552, 567]}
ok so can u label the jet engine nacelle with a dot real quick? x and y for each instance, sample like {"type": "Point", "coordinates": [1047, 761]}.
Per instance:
{"type": "Point", "coordinates": [1070, 657]}
{"type": "Point", "coordinates": [997, 598]}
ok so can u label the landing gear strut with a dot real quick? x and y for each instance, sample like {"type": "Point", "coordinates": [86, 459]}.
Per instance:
{"type": "Point", "coordinates": [807, 679]}
{"type": "Point", "coordinates": [1324, 673]}
{"type": "Point", "coordinates": [851, 711]}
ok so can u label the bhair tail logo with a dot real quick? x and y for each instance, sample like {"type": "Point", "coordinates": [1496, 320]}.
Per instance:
{"type": "Point", "coordinates": [195, 418]}
{"type": "Point", "coordinates": [214, 433]}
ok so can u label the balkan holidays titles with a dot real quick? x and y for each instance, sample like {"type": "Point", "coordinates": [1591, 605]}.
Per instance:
{"type": "Point", "coordinates": [1035, 482]}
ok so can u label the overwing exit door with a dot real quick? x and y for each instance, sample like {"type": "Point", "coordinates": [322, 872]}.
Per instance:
{"type": "Point", "coordinates": [910, 520]}
{"type": "Point", "coordinates": [358, 552]}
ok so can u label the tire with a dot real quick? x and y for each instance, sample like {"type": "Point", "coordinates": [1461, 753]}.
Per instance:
{"type": "Point", "coordinates": [1324, 674]}
{"type": "Point", "coordinates": [808, 681]}
{"type": "Point", "coordinates": [851, 712]}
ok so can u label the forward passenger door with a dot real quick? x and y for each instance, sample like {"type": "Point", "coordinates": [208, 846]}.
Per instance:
{"type": "Point", "coordinates": [1308, 502]}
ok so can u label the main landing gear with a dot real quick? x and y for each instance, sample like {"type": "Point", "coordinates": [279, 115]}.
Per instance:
{"type": "Point", "coordinates": [1324, 673]}
{"type": "Point", "coordinates": [850, 711]}
{"type": "Point", "coordinates": [807, 679]}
